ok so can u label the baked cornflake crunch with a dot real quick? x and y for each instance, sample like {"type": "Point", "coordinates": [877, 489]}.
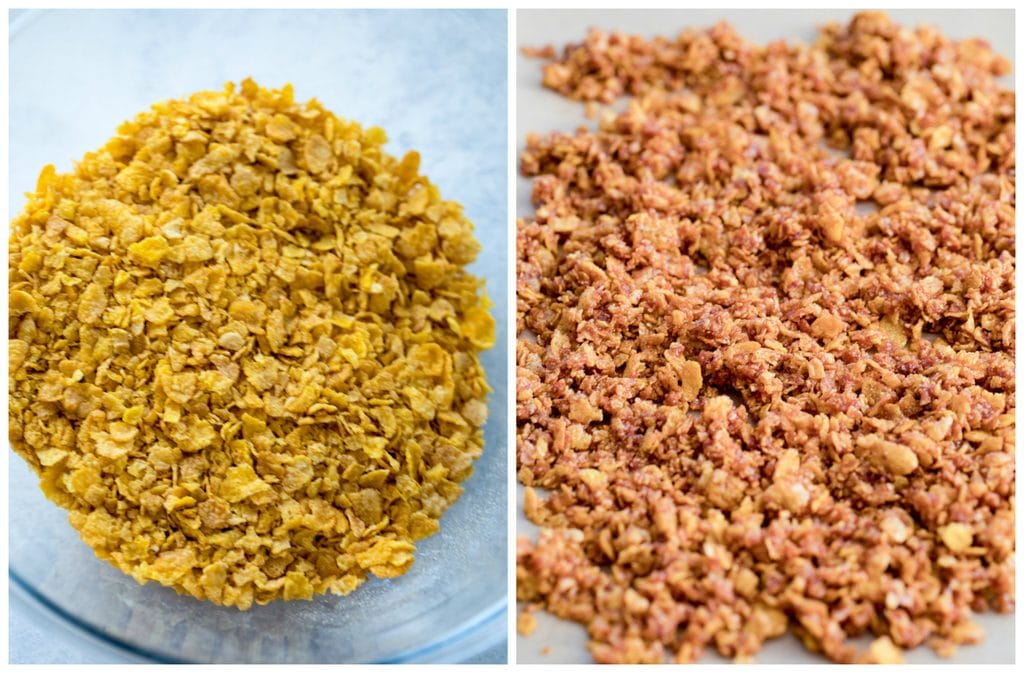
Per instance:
{"type": "Point", "coordinates": [766, 344]}
{"type": "Point", "coordinates": [243, 348]}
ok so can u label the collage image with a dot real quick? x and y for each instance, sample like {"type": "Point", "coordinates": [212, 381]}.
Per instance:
{"type": "Point", "coordinates": [511, 336]}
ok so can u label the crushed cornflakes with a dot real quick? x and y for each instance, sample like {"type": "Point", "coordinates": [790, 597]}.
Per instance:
{"type": "Point", "coordinates": [766, 321]}
{"type": "Point", "coordinates": [243, 348]}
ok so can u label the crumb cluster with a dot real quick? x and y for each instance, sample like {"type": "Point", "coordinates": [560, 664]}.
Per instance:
{"type": "Point", "coordinates": [243, 348]}
{"type": "Point", "coordinates": [766, 344]}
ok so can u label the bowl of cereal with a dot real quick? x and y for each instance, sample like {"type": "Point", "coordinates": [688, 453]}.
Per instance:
{"type": "Point", "coordinates": [255, 370]}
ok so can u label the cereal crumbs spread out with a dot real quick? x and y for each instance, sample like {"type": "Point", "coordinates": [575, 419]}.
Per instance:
{"type": "Point", "coordinates": [766, 337]}
{"type": "Point", "coordinates": [243, 348]}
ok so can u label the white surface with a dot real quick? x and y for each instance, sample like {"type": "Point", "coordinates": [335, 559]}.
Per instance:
{"type": "Point", "coordinates": [435, 81]}
{"type": "Point", "coordinates": [540, 110]}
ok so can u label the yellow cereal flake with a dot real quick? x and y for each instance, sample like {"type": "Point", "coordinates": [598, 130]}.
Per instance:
{"type": "Point", "coordinates": [244, 348]}
{"type": "Point", "coordinates": [21, 302]}
{"type": "Point", "coordinates": [92, 305]}
{"type": "Point", "coordinates": [149, 251]}
{"type": "Point", "coordinates": [297, 586]}
{"type": "Point", "coordinates": [478, 327]}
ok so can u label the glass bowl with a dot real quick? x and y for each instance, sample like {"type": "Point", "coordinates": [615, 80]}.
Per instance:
{"type": "Point", "coordinates": [450, 606]}
{"type": "Point", "coordinates": [445, 98]}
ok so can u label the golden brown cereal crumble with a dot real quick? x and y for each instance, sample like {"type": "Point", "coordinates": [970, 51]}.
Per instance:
{"type": "Point", "coordinates": [756, 404]}
{"type": "Point", "coordinates": [526, 623]}
{"type": "Point", "coordinates": [243, 348]}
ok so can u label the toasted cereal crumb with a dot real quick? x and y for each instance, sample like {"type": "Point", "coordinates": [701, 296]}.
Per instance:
{"type": "Point", "coordinates": [827, 326]}
{"type": "Point", "coordinates": [883, 651]}
{"type": "Point", "coordinates": [243, 348]}
{"type": "Point", "coordinates": [956, 536]}
{"type": "Point", "coordinates": [893, 457]}
{"type": "Point", "coordinates": [690, 380]}
{"type": "Point", "coordinates": [526, 624]}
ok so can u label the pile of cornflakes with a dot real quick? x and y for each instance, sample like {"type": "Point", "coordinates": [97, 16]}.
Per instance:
{"type": "Point", "coordinates": [243, 348]}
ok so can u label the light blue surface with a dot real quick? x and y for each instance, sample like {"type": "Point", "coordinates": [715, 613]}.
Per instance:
{"type": "Point", "coordinates": [38, 637]}
{"type": "Point", "coordinates": [436, 82]}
